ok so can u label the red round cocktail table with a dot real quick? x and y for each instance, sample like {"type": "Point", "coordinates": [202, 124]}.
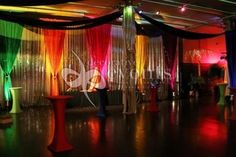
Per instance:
{"type": "Point", "coordinates": [59, 142]}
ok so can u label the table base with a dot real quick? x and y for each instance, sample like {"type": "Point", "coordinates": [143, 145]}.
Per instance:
{"type": "Point", "coordinates": [15, 110]}
{"type": "Point", "coordinates": [152, 108]}
{"type": "Point", "coordinates": [60, 147]}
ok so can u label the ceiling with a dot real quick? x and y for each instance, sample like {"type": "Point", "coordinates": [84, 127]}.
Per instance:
{"type": "Point", "coordinates": [198, 12]}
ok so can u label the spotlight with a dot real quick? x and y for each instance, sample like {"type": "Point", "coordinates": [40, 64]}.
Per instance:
{"type": "Point", "coordinates": [183, 8]}
{"type": "Point", "coordinates": [140, 11]}
{"type": "Point", "coordinates": [158, 13]}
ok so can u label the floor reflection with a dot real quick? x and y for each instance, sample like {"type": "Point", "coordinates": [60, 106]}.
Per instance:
{"type": "Point", "coordinates": [181, 128]}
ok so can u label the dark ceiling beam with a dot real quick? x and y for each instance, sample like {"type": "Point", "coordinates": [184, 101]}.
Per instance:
{"type": "Point", "coordinates": [226, 1]}
{"type": "Point", "coordinates": [173, 24]}
{"type": "Point", "coordinates": [39, 9]}
{"type": "Point", "coordinates": [93, 6]}
{"type": "Point", "coordinates": [32, 2]}
{"type": "Point", "coordinates": [179, 18]}
{"type": "Point", "coordinates": [198, 8]}
{"type": "Point", "coordinates": [54, 9]}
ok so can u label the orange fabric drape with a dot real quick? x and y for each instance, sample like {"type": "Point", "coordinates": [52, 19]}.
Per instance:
{"type": "Point", "coordinates": [141, 46]}
{"type": "Point", "coordinates": [54, 43]}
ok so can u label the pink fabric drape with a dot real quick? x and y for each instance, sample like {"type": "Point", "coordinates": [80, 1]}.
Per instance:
{"type": "Point", "coordinates": [98, 44]}
{"type": "Point", "coordinates": [54, 43]}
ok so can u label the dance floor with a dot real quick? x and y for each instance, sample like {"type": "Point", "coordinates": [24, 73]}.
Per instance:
{"type": "Point", "coordinates": [182, 128]}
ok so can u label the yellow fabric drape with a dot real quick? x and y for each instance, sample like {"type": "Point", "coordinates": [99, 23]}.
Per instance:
{"type": "Point", "coordinates": [141, 46]}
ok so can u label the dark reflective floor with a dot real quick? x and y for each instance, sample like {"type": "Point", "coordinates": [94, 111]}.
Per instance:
{"type": "Point", "coordinates": [182, 128]}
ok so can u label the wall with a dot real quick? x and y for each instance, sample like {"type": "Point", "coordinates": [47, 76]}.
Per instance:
{"type": "Point", "coordinates": [212, 48]}
{"type": "Point", "coordinates": [210, 52]}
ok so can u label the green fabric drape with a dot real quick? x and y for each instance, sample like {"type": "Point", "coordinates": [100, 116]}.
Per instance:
{"type": "Point", "coordinates": [9, 46]}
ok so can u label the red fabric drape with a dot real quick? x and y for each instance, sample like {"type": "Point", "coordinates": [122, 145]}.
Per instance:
{"type": "Point", "coordinates": [54, 43]}
{"type": "Point", "coordinates": [98, 44]}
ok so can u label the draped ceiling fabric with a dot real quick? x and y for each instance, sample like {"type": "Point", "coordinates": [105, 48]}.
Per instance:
{"type": "Point", "coordinates": [54, 44]}
{"type": "Point", "coordinates": [231, 57]}
{"type": "Point", "coordinates": [9, 48]}
{"type": "Point", "coordinates": [147, 30]}
{"type": "Point", "coordinates": [99, 48]}
{"type": "Point", "coordinates": [76, 23]}
{"type": "Point", "coordinates": [128, 61]}
{"type": "Point", "coordinates": [175, 31]}
{"type": "Point", "coordinates": [33, 2]}
{"type": "Point", "coordinates": [140, 59]}
{"type": "Point", "coordinates": [170, 44]}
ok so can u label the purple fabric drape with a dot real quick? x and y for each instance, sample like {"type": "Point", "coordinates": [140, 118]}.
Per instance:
{"type": "Point", "coordinates": [170, 43]}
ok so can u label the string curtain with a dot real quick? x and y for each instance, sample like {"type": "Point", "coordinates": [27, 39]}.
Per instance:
{"type": "Point", "coordinates": [155, 68]}
{"type": "Point", "coordinates": [29, 70]}
{"type": "Point", "coordinates": [115, 73]}
{"type": "Point", "coordinates": [129, 27]}
{"type": "Point", "coordinates": [98, 41]}
{"type": "Point", "coordinates": [75, 45]}
{"type": "Point", "coordinates": [54, 44]}
{"type": "Point", "coordinates": [128, 58]}
{"type": "Point", "coordinates": [140, 59]}
{"type": "Point", "coordinates": [31, 65]}
{"type": "Point", "coordinates": [9, 47]}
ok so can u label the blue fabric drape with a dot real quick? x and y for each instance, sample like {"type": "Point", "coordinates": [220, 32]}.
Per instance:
{"type": "Point", "coordinates": [231, 56]}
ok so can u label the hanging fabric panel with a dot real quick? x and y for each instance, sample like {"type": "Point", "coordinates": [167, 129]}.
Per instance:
{"type": "Point", "coordinates": [115, 74]}
{"type": "Point", "coordinates": [170, 43]}
{"type": "Point", "coordinates": [231, 57]}
{"type": "Point", "coordinates": [99, 48]}
{"type": "Point", "coordinates": [9, 47]}
{"type": "Point", "coordinates": [30, 67]}
{"type": "Point", "coordinates": [54, 43]}
{"type": "Point", "coordinates": [128, 61]}
{"type": "Point", "coordinates": [140, 59]}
